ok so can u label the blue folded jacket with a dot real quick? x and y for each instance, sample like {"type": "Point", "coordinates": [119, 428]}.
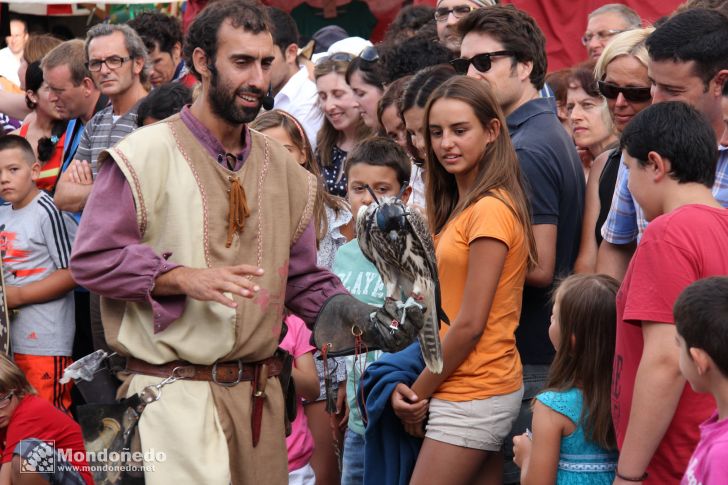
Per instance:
{"type": "Point", "coordinates": [390, 453]}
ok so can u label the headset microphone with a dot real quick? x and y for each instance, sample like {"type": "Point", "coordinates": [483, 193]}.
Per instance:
{"type": "Point", "coordinates": [267, 100]}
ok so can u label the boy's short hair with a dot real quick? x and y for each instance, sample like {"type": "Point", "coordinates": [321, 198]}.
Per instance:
{"type": "Point", "coordinates": [11, 142]}
{"type": "Point", "coordinates": [701, 318]}
{"type": "Point", "coordinates": [163, 102]}
{"type": "Point", "coordinates": [678, 133]}
{"type": "Point", "coordinates": [382, 152]}
{"type": "Point", "coordinates": [13, 379]}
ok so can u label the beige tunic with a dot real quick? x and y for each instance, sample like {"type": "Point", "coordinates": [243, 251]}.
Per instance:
{"type": "Point", "coordinates": [181, 195]}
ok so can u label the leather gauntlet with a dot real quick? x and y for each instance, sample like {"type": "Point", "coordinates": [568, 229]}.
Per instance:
{"type": "Point", "coordinates": [390, 328]}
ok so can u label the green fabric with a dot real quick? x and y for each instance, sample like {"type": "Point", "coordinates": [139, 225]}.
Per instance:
{"type": "Point", "coordinates": [363, 281]}
{"type": "Point", "coordinates": [354, 17]}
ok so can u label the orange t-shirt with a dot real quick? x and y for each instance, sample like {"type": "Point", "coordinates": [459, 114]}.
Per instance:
{"type": "Point", "coordinates": [493, 367]}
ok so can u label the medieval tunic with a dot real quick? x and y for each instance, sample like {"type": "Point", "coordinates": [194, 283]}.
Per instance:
{"type": "Point", "coordinates": [177, 195]}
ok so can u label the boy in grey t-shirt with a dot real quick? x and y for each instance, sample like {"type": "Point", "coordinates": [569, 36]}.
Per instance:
{"type": "Point", "coordinates": [35, 239]}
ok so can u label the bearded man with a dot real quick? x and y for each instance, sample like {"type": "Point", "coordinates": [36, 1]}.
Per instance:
{"type": "Point", "coordinates": [197, 233]}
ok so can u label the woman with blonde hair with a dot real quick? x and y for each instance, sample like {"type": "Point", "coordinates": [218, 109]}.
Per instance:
{"type": "Point", "coordinates": [621, 74]}
{"type": "Point", "coordinates": [478, 211]}
{"type": "Point", "coordinates": [343, 126]}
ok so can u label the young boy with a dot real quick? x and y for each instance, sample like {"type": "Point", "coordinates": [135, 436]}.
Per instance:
{"type": "Point", "coordinates": [671, 152]}
{"type": "Point", "coordinates": [35, 239]}
{"type": "Point", "coordinates": [701, 318]}
{"type": "Point", "coordinates": [382, 165]}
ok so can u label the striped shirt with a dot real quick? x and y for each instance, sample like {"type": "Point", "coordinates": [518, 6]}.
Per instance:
{"type": "Point", "coordinates": [103, 132]}
{"type": "Point", "coordinates": [626, 222]}
{"type": "Point", "coordinates": [36, 243]}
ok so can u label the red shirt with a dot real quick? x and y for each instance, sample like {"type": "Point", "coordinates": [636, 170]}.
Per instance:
{"type": "Point", "coordinates": [37, 418]}
{"type": "Point", "coordinates": [677, 249]}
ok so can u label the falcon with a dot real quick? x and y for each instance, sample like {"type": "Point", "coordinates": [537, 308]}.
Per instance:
{"type": "Point", "coordinates": [398, 242]}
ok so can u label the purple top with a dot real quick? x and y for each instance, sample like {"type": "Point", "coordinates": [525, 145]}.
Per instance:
{"type": "Point", "coordinates": [108, 257]}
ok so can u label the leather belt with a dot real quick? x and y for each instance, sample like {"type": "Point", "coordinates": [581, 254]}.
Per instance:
{"type": "Point", "coordinates": [222, 373]}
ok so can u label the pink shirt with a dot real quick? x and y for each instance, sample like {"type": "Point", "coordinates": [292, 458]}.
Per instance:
{"type": "Point", "coordinates": [109, 259]}
{"type": "Point", "coordinates": [300, 442]}
{"type": "Point", "coordinates": [709, 463]}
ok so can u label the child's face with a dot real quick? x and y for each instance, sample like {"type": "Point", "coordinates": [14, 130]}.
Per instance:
{"type": "Point", "coordinates": [17, 178]}
{"type": "Point", "coordinates": [641, 185]}
{"type": "Point", "coordinates": [689, 367]}
{"type": "Point", "coordinates": [555, 327]}
{"type": "Point", "coordinates": [279, 134]}
{"type": "Point", "coordinates": [8, 403]}
{"type": "Point", "coordinates": [382, 180]}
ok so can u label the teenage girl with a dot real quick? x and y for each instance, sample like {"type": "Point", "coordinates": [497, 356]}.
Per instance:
{"type": "Point", "coordinates": [478, 211]}
{"type": "Point", "coordinates": [573, 438]}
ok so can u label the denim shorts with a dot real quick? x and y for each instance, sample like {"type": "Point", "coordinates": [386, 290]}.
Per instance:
{"type": "Point", "coordinates": [480, 424]}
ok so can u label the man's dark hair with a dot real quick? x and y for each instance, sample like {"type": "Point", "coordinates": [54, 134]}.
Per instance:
{"type": "Point", "coordinates": [157, 29]}
{"type": "Point", "coordinates": [412, 55]}
{"type": "Point", "coordinates": [283, 28]}
{"type": "Point", "coordinates": [701, 318]}
{"type": "Point", "coordinates": [679, 133]}
{"type": "Point", "coordinates": [164, 101]}
{"type": "Point", "coordinates": [381, 152]}
{"type": "Point", "coordinates": [246, 14]}
{"type": "Point", "coordinates": [11, 142]}
{"type": "Point", "coordinates": [516, 30]}
{"type": "Point", "coordinates": [697, 34]}
{"type": "Point", "coordinates": [408, 21]}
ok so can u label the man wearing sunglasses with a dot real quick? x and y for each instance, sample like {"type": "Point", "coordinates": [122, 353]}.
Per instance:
{"type": "Point", "coordinates": [503, 47]}
{"type": "Point", "coordinates": [606, 22]}
{"type": "Point", "coordinates": [447, 15]}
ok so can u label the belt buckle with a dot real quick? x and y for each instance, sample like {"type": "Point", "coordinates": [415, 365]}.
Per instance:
{"type": "Point", "coordinates": [227, 384]}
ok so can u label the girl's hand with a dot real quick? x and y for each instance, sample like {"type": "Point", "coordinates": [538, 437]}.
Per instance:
{"type": "Point", "coordinates": [521, 449]}
{"type": "Point", "coordinates": [407, 406]}
{"type": "Point", "coordinates": [417, 429]}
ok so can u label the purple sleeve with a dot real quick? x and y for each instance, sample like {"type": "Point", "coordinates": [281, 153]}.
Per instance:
{"type": "Point", "coordinates": [308, 285]}
{"type": "Point", "coordinates": [108, 257]}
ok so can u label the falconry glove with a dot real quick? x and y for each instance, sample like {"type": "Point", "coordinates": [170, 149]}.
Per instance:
{"type": "Point", "coordinates": [390, 328]}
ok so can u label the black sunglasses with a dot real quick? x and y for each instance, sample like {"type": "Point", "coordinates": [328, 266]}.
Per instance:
{"type": "Point", "coordinates": [459, 11]}
{"type": "Point", "coordinates": [636, 95]}
{"type": "Point", "coordinates": [369, 54]}
{"type": "Point", "coordinates": [482, 62]}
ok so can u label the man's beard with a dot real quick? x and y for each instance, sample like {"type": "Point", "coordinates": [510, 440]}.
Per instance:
{"type": "Point", "coordinates": [222, 101]}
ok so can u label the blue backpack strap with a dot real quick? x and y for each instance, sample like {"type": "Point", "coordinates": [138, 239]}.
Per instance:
{"type": "Point", "coordinates": [73, 133]}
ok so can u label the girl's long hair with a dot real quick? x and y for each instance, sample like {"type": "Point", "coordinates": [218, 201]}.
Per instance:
{"type": "Point", "coordinates": [587, 312]}
{"type": "Point", "coordinates": [328, 136]}
{"type": "Point", "coordinates": [497, 169]}
{"type": "Point", "coordinates": [278, 118]}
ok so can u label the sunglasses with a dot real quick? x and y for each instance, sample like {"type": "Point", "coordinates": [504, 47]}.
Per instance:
{"type": "Point", "coordinates": [369, 54]}
{"type": "Point", "coordinates": [637, 95]}
{"type": "Point", "coordinates": [481, 62]}
{"type": "Point", "coordinates": [459, 11]}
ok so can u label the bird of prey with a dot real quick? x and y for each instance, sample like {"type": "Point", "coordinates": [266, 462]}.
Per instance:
{"type": "Point", "coordinates": [398, 242]}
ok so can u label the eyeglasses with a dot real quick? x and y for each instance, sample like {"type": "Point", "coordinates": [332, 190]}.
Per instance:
{"type": "Point", "coordinates": [458, 11]}
{"type": "Point", "coordinates": [601, 35]}
{"type": "Point", "coordinates": [611, 91]}
{"type": "Point", "coordinates": [113, 62]}
{"type": "Point", "coordinates": [482, 62]}
{"type": "Point", "coordinates": [5, 401]}
{"type": "Point", "coordinates": [369, 54]}
{"type": "Point", "coordinates": [340, 57]}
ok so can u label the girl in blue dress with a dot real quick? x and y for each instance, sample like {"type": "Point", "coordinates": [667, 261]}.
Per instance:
{"type": "Point", "coordinates": [573, 440]}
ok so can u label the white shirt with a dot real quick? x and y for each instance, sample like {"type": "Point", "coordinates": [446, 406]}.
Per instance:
{"type": "Point", "coordinates": [9, 65]}
{"type": "Point", "coordinates": [300, 98]}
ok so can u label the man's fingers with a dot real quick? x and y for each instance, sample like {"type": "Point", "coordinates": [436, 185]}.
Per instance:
{"type": "Point", "coordinates": [239, 285]}
{"type": "Point", "coordinates": [246, 269]}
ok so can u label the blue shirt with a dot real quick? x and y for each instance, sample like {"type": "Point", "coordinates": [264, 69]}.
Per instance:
{"type": "Point", "coordinates": [555, 188]}
{"type": "Point", "coordinates": [626, 221]}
